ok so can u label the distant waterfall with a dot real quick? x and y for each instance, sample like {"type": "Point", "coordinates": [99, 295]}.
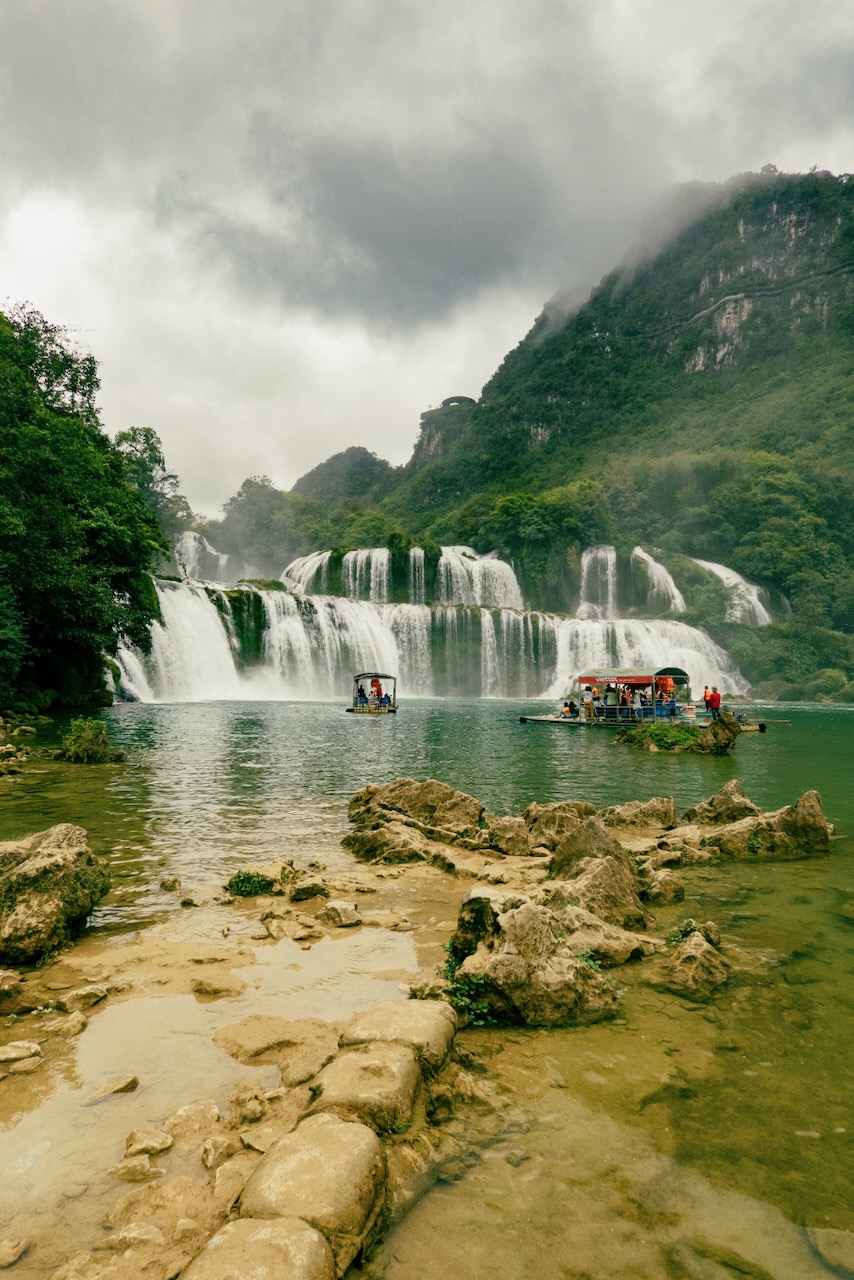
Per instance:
{"type": "Point", "coordinates": [365, 574]}
{"type": "Point", "coordinates": [745, 602]}
{"type": "Point", "coordinates": [309, 571]}
{"type": "Point", "coordinates": [663, 591]}
{"type": "Point", "coordinates": [310, 647]}
{"type": "Point", "coordinates": [417, 580]}
{"type": "Point", "coordinates": [485, 581]}
{"type": "Point", "coordinates": [196, 558]}
{"type": "Point", "coordinates": [598, 583]}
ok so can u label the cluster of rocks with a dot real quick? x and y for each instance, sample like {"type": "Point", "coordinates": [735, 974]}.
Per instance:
{"type": "Point", "coordinates": [13, 755]}
{"type": "Point", "coordinates": [577, 888]}
{"type": "Point", "coordinates": [303, 1179]}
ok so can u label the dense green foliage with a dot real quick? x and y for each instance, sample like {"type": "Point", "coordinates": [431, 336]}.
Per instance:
{"type": "Point", "coordinates": [249, 884]}
{"type": "Point", "coordinates": [76, 538]}
{"type": "Point", "coordinates": [145, 468]}
{"type": "Point", "coordinates": [86, 742]}
{"type": "Point", "coordinates": [355, 472]}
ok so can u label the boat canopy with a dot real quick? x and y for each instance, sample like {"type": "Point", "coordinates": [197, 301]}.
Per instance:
{"type": "Point", "coordinates": [374, 675]}
{"type": "Point", "coordinates": [636, 677]}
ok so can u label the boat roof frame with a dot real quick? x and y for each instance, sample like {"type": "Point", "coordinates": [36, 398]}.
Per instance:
{"type": "Point", "coordinates": [380, 675]}
{"type": "Point", "coordinates": [631, 675]}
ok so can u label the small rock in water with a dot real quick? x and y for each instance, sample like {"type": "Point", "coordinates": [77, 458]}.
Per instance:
{"type": "Point", "coordinates": [12, 1250]}
{"type": "Point", "coordinates": [18, 1050]}
{"type": "Point", "coordinates": [135, 1169]}
{"type": "Point", "coordinates": [147, 1142]}
{"type": "Point", "coordinates": [126, 1084]}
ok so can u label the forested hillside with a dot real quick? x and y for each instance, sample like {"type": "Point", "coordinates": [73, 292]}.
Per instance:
{"type": "Point", "coordinates": [701, 402]}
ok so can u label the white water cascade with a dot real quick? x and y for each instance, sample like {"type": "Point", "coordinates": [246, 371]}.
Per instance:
{"type": "Point", "coordinates": [598, 583]}
{"type": "Point", "coordinates": [304, 570]}
{"type": "Point", "coordinates": [485, 581]}
{"type": "Point", "coordinates": [366, 573]}
{"type": "Point", "coordinates": [663, 591]}
{"type": "Point", "coordinates": [310, 647]}
{"type": "Point", "coordinates": [745, 598]}
{"type": "Point", "coordinates": [417, 579]}
{"type": "Point", "coordinates": [196, 558]}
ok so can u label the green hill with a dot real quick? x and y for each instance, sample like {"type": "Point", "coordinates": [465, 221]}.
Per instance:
{"type": "Point", "coordinates": [701, 402]}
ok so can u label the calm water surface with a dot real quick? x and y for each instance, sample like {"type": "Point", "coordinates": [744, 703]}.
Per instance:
{"type": "Point", "coordinates": [764, 1111]}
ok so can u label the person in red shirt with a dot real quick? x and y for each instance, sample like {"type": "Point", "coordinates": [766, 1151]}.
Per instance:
{"type": "Point", "coordinates": [715, 703]}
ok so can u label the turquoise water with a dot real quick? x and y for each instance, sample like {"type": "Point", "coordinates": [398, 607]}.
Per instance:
{"type": "Point", "coordinates": [211, 787]}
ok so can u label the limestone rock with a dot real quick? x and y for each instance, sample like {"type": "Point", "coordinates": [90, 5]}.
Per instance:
{"type": "Point", "coordinates": [166, 1203]}
{"type": "Point", "coordinates": [508, 835]}
{"type": "Point", "coordinates": [49, 882]}
{"type": "Point", "coordinates": [14, 995]}
{"type": "Point", "coordinates": [330, 1173]}
{"type": "Point", "coordinates": [17, 1050]}
{"type": "Point", "coordinates": [298, 1046]}
{"type": "Point", "coordinates": [313, 888]}
{"type": "Point", "coordinates": [605, 943]}
{"type": "Point", "coordinates": [124, 1084]}
{"type": "Point", "coordinates": [697, 969]}
{"type": "Point", "coordinates": [663, 887]}
{"type": "Point", "coordinates": [587, 839]}
{"type": "Point", "coordinates": [12, 1250]}
{"type": "Point", "coordinates": [192, 1121]}
{"type": "Point", "coordinates": [641, 815]}
{"type": "Point", "coordinates": [135, 1169]}
{"type": "Point", "coordinates": [284, 1249]}
{"type": "Point", "coordinates": [390, 841]}
{"type": "Point", "coordinates": [341, 914]}
{"type": "Point", "coordinates": [218, 1149]}
{"type": "Point", "coordinates": [522, 964]}
{"type": "Point", "coordinates": [431, 803]}
{"type": "Point", "coordinates": [727, 805]}
{"type": "Point", "coordinates": [247, 1103]}
{"type": "Point", "coordinates": [374, 1083]}
{"type": "Point", "coordinates": [607, 888]}
{"type": "Point", "coordinates": [835, 1247]}
{"type": "Point", "coordinates": [795, 831]}
{"type": "Point", "coordinates": [548, 824]}
{"type": "Point", "coordinates": [427, 1026]}
{"type": "Point", "coordinates": [147, 1142]}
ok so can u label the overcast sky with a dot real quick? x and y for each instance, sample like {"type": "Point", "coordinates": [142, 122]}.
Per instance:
{"type": "Point", "coordinates": [289, 226]}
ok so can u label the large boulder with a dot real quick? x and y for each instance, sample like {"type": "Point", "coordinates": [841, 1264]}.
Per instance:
{"type": "Point", "coordinates": [49, 884]}
{"type": "Point", "coordinates": [586, 934]}
{"type": "Point", "coordinates": [431, 804]}
{"type": "Point", "coordinates": [389, 841]}
{"type": "Point", "coordinates": [606, 886]}
{"type": "Point", "coordinates": [727, 805]}
{"type": "Point", "coordinates": [795, 831]}
{"type": "Point", "coordinates": [697, 968]}
{"type": "Point", "coordinates": [521, 965]}
{"type": "Point", "coordinates": [285, 1247]}
{"type": "Point", "coordinates": [586, 839]}
{"type": "Point", "coordinates": [641, 815]}
{"type": "Point", "coordinates": [329, 1172]}
{"type": "Point", "coordinates": [507, 835]}
{"type": "Point", "coordinates": [374, 1083]}
{"type": "Point", "coordinates": [427, 1026]}
{"type": "Point", "coordinates": [548, 824]}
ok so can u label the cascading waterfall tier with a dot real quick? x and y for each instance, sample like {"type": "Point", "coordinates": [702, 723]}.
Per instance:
{"type": "Point", "coordinates": [745, 603]}
{"type": "Point", "coordinates": [663, 591]}
{"type": "Point", "coordinates": [211, 645]}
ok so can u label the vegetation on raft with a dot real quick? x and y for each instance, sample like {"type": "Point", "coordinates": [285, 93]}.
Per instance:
{"type": "Point", "coordinates": [664, 736]}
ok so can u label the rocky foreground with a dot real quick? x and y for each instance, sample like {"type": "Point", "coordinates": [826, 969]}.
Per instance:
{"type": "Point", "coordinates": [301, 1180]}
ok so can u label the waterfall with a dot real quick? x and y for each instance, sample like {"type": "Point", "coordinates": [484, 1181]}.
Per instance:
{"type": "Point", "coordinates": [598, 583]}
{"type": "Point", "coordinates": [196, 558]}
{"type": "Point", "coordinates": [663, 591]}
{"type": "Point", "coordinates": [417, 583]}
{"type": "Point", "coordinates": [311, 646]}
{"type": "Point", "coordinates": [191, 659]}
{"type": "Point", "coordinates": [490, 676]}
{"type": "Point", "coordinates": [467, 578]}
{"type": "Point", "coordinates": [305, 569]}
{"type": "Point", "coordinates": [745, 598]}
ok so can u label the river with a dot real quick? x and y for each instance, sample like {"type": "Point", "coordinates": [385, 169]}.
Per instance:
{"type": "Point", "coordinates": [757, 1107]}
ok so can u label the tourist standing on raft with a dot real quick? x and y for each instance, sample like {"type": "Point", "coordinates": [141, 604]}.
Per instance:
{"type": "Point", "coordinates": [714, 704]}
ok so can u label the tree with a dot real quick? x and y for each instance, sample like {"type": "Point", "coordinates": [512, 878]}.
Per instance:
{"type": "Point", "coordinates": [145, 467]}
{"type": "Point", "coordinates": [76, 538]}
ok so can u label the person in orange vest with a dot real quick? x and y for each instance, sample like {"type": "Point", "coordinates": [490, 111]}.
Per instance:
{"type": "Point", "coordinates": [707, 693]}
